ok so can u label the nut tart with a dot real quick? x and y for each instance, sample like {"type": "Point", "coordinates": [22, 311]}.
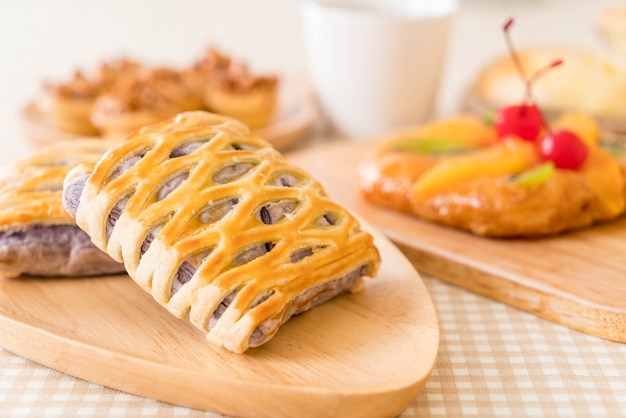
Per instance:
{"type": "Point", "coordinates": [143, 99]}
{"type": "Point", "coordinates": [37, 236]}
{"type": "Point", "coordinates": [68, 106]}
{"type": "Point", "coordinates": [218, 227]}
{"type": "Point", "coordinates": [123, 95]}
{"type": "Point", "coordinates": [461, 173]}
{"type": "Point", "coordinates": [210, 65]}
{"type": "Point", "coordinates": [236, 92]}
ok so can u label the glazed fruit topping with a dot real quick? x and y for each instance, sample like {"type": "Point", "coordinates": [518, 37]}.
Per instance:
{"type": "Point", "coordinates": [536, 175]}
{"type": "Point", "coordinates": [524, 121]}
{"type": "Point", "coordinates": [562, 147]}
{"type": "Point", "coordinates": [432, 146]}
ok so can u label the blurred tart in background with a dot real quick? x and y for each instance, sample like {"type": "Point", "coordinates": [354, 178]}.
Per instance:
{"type": "Point", "coordinates": [143, 99]}
{"type": "Point", "coordinates": [124, 95]}
{"type": "Point", "coordinates": [68, 106]}
{"type": "Point", "coordinates": [236, 92]}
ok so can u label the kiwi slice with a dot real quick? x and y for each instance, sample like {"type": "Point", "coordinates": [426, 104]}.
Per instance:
{"type": "Point", "coordinates": [536, 175]}
{"type": "Point", "coordinates": [431, 145]}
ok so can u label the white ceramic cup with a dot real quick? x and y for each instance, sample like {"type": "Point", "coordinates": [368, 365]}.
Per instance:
{"type": "Point", "coordinates": [376, 65]}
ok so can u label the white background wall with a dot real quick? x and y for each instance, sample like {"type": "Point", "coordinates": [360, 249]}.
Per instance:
{"type": "Point", "coordinates": [48, 39]}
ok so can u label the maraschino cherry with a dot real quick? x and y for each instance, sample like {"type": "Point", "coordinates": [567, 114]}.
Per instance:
{"type": "Point", "coordinates": [524, 120]}
{"type": "Point", "coordinates": [563, 147]}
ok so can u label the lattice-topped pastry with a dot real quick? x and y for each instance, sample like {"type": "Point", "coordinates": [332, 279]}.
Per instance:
{"type": "Point", "coordinates": [37, 236]}
{"type": "Point", "coordinates": [216, 225]}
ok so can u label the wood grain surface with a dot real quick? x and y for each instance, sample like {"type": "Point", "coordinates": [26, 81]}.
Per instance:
{"type": "Point", "coordinates": [576, 279]}
{"type": "Point", "coordinates": [360, 355]}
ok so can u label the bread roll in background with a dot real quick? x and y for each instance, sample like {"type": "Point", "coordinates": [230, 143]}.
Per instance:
{"type": "Point", "coordinates": [590, 81]}
{"type": "Point", "coordinates": [585, 82]}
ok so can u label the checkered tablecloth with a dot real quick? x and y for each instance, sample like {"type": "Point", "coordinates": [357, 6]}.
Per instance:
{"type": "Point", "coordinates": [493, 360]}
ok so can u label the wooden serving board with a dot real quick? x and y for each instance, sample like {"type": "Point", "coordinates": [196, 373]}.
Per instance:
{"type": "Point", "coordinates": [360, 355]}
{"type": "Point", "coordinates": [576, 279]}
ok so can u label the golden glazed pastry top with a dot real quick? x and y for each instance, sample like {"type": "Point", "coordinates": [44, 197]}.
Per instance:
{"type": "Point", "coordinates": [31, 187]}
{"type": "Point", "coordinates": [199, 189]}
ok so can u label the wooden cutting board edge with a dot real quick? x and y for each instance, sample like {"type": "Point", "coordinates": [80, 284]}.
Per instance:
{"type": "Point", "coordinates": [541, 301]}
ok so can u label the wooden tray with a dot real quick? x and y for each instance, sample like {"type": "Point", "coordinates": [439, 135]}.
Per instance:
{"type": "Point", "coordinates": [577, 279]}
{"type": "Point", "coordinates": [362, 355]}
{"type": "Point", "coordinates": [294, 120]}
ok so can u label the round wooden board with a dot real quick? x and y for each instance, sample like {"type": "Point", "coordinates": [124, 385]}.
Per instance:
{"type": "Point", "coordinates": [360, 355]}
{"type": "Point", "coordinates": [292, 124]}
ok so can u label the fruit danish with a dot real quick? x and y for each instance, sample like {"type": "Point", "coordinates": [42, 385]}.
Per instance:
{"type": "Point", "coordinates": [216, 225]}
{"type": "Point", "coordinates": [519, 177]}
{"type": "Point", "coordinates": [37, 236]}
{"type": "Point", "coordinates": [460, 173]}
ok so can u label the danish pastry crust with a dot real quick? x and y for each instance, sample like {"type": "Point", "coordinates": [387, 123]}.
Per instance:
{"type": "Point", "coordinates": [217, 226]}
